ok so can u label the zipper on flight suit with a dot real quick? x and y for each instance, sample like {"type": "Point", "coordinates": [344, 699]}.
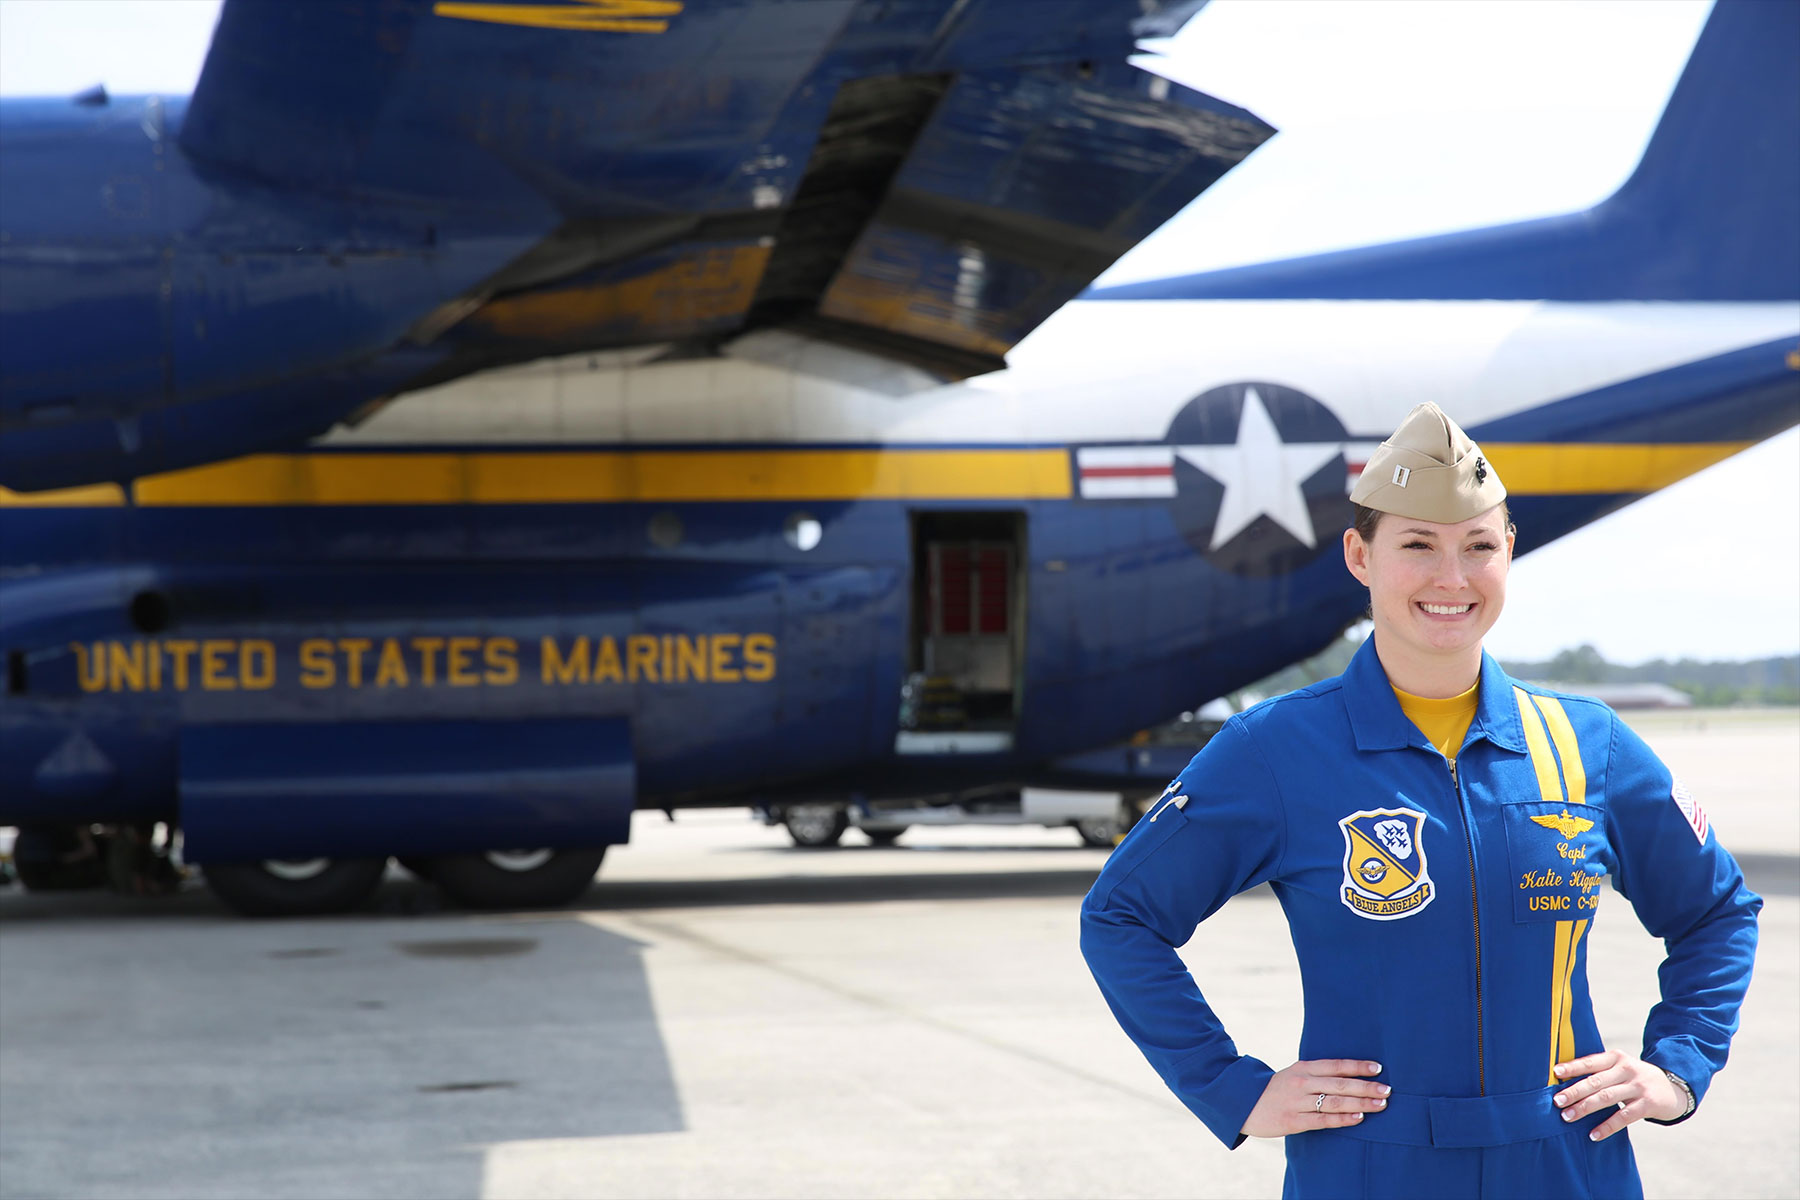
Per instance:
{"type": "Point", "coordinates": [1475, 910]}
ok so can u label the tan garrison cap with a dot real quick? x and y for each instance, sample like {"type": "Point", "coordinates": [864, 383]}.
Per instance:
{"type": "Point", "coordinates": [1429, 470]}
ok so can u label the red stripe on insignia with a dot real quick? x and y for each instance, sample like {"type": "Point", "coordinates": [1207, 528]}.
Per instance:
{"type": "Point", "coordinates": [1690, 809]}
{"type": "Point", "coordinates": [1125, 472]}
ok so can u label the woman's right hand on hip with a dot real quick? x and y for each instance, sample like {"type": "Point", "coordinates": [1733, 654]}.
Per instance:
{"type": "Point", "coordinates": [1324, 1093]}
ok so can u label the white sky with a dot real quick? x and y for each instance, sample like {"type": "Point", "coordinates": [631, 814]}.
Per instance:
{"type": "Point", "coordinates": [1398, 119]}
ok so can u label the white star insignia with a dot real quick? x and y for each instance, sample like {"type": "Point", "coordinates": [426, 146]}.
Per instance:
{"type": "Point", "coordinates": [1262, 475]}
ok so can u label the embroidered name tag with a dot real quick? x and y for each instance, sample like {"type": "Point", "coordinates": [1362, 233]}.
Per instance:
{"type": "Point", "coordinates": [1555, 852]}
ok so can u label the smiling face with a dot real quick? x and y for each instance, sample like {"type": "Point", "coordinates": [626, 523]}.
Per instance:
{"type": "Point", "coordinates": [1434, 591]}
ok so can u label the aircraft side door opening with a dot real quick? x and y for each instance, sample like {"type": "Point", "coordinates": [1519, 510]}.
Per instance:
{"type": "Point", "coordinates": [966, 648]}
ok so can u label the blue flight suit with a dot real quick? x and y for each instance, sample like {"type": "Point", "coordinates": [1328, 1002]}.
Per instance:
{"type": "Point", "coordinates": [1439, 920]}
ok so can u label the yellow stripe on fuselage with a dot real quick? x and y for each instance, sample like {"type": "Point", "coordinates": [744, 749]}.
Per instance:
{"type": "Point", "coordinates": [1584, 469]}
{"type": "Point", "coordinates": [602, 477]}
{"type": "Point", "coordinates": [786, 473]}
{"type": "Point", "coordinates": [590, 16]}
{"type": "Point", "coordinates": [94, 495]}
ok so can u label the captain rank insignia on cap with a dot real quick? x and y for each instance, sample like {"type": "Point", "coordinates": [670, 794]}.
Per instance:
{"type": "Point", "coordinates": [1429, 470]}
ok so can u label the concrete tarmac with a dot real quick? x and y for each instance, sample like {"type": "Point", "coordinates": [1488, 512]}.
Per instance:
{"type": "Point", "coordinates": [726, 1016]}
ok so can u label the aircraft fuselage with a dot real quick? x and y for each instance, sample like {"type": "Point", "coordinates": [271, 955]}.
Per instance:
{"type": "Point", "coordinates": [747, 574]}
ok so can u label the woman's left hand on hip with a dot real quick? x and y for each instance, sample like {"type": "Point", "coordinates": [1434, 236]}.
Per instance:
{"type": "Point", "coordinates": [1615, 1078]}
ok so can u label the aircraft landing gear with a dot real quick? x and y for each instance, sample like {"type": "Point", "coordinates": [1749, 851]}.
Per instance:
{"type": "Point", "coordinates": [815, 826]}
{"type": "Point", "coordinates": [59, 859]}
{"type": "Point", "coordinates": [132, 860]}
{"type": "Point", "coordinates": [295, 887]}
{"type": "Point", "coordinates": [516, 878]}
{"type": "Point", "coordinates": [1103, 833]}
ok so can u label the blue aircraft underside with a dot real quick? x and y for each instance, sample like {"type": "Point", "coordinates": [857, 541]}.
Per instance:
{"type": "Point", "coordinates": [361, 199]}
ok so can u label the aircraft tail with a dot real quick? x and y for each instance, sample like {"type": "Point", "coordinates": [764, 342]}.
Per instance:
{"type": "Point", "coordinates": [1712, 211]}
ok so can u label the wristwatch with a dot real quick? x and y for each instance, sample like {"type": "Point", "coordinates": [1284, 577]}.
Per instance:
{"type": "Point", "coordinates": [1687, 1091]}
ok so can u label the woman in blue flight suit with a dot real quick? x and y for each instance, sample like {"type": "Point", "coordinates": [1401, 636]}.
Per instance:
{"type": "Point", "coordinates": [1440, 837]}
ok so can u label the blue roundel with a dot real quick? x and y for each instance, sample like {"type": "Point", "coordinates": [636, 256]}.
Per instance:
{"type": "Point", "coordinates": [1260, 477]}
{"type": "Point", "coordinates": [1253, 475]}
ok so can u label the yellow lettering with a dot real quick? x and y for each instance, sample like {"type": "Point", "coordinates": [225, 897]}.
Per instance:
{"type": "Point", "coordinates": [668, 658]}
{"type": "Point", "coordinates": [690, 659]}
{"type": "Point", "coordinates": [722, 645]}
{"type": "Point", "coordinates": [90, 668]}
{"type": "Point", "coordinates": [249, 654]}
{"type": "Point", "coordinates": [154, 656]}
{"type": "Point", "coordinates": [501, 655]}
{"type": "Point", "coordinates": [212, 665]}
{"type": "Point", "coordinates": [1587, 901]}
{"type": "Point", "coordinates": [179, 653]}
{"type": "Point", "coordinates": [125, 670]}
{"type": "Point", "coordinates": [759, 658]}
{"type": "Point", "coordinates": [1562, 848]}
{"type": "Point", "coordinates": [459, 670]}
{"type": "Point", "coordinates": [607, 668]}
{"type": "Point", "coordinates": [317, 668]}
{"type": "Point", "coordinates": [354, 649]}
{"type": "Point", "coordinates": [391, 670]}
{"type": "Point", "coordinates": [640, 657]}
{"type": "Point", "coordinates": [428, 648]}
{"type": "Point", "coordinates": [1548, 903]}
{"type": "Point", "coordinates": [554, 668]}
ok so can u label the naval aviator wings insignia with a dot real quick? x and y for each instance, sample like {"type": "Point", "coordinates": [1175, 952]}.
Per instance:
{"type": "Point", "coordinates": [1565, 824]}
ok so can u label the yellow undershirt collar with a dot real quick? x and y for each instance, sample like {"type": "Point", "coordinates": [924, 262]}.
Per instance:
{"type": "Point", "coordinates": [1445, 723]}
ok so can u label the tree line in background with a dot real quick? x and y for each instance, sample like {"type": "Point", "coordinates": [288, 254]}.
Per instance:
{"type": "Point", "coordinates": [1772, 680]}
{"type": "Point", "coordinates": [1761, 681]}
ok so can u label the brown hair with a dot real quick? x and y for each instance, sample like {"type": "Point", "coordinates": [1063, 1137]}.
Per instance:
{"type": "Point", "coordinates": [1366, 519]}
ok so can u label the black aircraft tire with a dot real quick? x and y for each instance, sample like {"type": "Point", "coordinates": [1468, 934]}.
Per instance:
{"type": "Point", "coordinates": [884, 837]}
{"type": "Point", "coordinates": [815, 826]}
{"type": "Point", "coordinates": [255, 890]}
{"type": "Point", "coordinates": [43, 861]}
{"type": "Point", "coordinates": [418, 868]}
{"type": "Point", "coordinates": [485, 881]}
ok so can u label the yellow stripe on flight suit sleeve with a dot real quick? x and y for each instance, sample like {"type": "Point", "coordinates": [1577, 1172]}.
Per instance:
{"type": "Point", "coordinates": [1535, 712]}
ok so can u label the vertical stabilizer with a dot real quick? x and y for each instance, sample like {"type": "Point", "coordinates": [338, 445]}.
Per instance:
{"type": "Point", "coordinates": [1711, 213]}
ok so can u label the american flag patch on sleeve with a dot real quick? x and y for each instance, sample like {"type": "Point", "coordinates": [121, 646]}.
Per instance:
{"type": "Point", "coordinates": [1690, 810]}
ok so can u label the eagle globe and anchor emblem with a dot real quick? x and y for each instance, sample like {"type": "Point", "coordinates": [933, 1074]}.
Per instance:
{"type": "Point", "coordinates": [1384, 863]}
{"type": "Point", "coordinates": [1255, 476]}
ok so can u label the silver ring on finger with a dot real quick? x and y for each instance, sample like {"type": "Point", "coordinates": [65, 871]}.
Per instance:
{"type": "Point", "coordinates": [1319, 1104]}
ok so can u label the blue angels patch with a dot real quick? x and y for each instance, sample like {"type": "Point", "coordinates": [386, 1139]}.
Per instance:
{"type": "Point", "coordinates": [1384, 863]}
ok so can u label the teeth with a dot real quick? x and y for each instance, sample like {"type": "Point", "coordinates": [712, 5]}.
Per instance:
{"type": "Point", "coordinates": [1446, 610]}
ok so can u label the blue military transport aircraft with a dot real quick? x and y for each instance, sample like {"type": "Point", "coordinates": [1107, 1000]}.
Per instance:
{"type": "Point", "coordinates": [459, 424]}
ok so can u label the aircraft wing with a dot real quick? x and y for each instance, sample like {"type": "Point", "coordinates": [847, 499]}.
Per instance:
{"type": "Point", "coordinates": [924, 179]}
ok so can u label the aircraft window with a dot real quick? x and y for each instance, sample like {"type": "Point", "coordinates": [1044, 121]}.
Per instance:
{"type": "Point", "coordinates": [150, 612]}
{"type": "Point", "coordinates": [803, 532]}
{"type": "Point", "coordinates": [665, 530]}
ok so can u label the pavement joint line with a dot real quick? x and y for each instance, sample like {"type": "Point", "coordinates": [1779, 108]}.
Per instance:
{"type": "Point", "coordinates": [725, 950]}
